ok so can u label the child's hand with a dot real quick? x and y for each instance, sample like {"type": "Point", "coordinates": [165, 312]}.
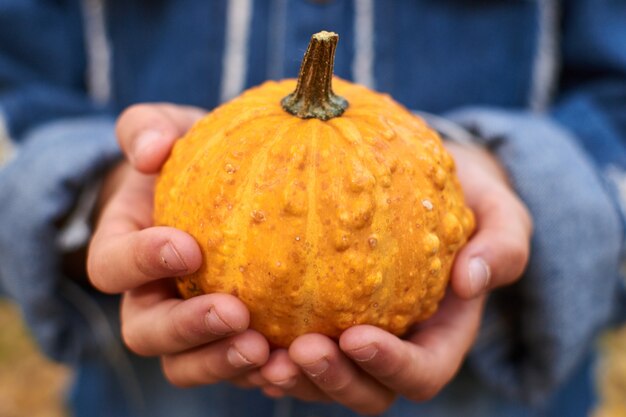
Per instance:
{"type": "Point", "coordinates": [316, 368]}
{"type": "Point", "coordinates": [369, 366]}
{"type": "Point", "coordinates": [202, 340]}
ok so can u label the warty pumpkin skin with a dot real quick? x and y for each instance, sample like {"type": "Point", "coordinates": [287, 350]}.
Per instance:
{"type": "Point", "coordinates": [317, 225]}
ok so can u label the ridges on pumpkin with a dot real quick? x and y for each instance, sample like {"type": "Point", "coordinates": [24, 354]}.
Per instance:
{"type": "Point", "coordinates": [316, 225]}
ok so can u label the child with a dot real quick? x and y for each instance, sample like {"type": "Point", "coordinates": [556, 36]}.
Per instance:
{"type": "Point", "coordinates": [557, 130]}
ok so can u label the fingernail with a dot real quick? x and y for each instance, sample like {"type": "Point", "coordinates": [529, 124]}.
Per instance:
{"type": "Point", "coordinates": [285, 383]}
{"type": "Point", "coordinates": [316, 368]}
{"type": "Point", "coordinates": [236, 359]}
{"type": "Point", "coordinates": [364, 353]}
{"type": "Point", "coordinates": [145, 141]}
{"type": "Point", "coordinates": [172, 259]}
{"type": "Point", "coordinates": [215, 323]}
{"type": "Point", "coordinates": [479, 275]}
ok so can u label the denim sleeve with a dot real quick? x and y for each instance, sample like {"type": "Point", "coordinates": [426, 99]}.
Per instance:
{"type": "Point", "coordinates": [535, 332]}
{"type": "Point", "coordinates": [568, 167]}
{"type": "Point", "coordinates": [62, 140]}
{"type": "Point", "coordinates": [42, 64]}
{"type": "Point", "coordinates": [38, 187]}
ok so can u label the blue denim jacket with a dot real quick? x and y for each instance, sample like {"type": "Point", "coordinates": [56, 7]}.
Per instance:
{"type": "Point", "coordinates": [542, 83]}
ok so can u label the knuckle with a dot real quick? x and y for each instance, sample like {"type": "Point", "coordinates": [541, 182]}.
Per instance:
{"type": "Point", "coordinates": [494, 200]}
{"type": "Point", "coordinates": [171, 374]}
{"type": "Point", "coordinates": [209, 372]}
{"type": "Point", "coordinates": [134, 118]}
{"type": "Point", "coordinates": [339, 386]}
{"type": "Point", "coordinates": [93, 271]}
{"type": "Point", "coordinates": [429, 388]}
{"type": "Point", "coordinates": [146, 254]}
{"type": "Point", "coordinates": [526, 217]}
{"type": "Point", "coordinates": [518, 254]}
{"type": "Point", "coordinates": [242, 383]}
{"type": "Point", "coordinates": [127, 117]}
{"type": "Point", "coordinates": [425, 393]}
{"type": "Point", "coordinates": [132, 340]}
{"type": "Point", "coordinates": [388, 401]}
{"type": "Point", "coordinates": [140, 258]}
{"type": "Point", "coordinates": [181, 332]}
{"type": "Point", "coordinates": [134, 111]}
{"type": "Point", "coordinates": [394, 371]}
{"type": "Point", "coordinates": [95, 268]}
{"type": "Point", "coordinates": [424, 384]}
{"type": "Point", "coordinates": [377, 407]}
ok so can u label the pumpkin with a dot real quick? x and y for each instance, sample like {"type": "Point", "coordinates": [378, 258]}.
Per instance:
{"type": "Point", "coordinates": [319, 211]}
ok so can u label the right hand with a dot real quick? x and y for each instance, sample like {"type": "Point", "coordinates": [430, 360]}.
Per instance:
{"type": "Point", "coordinates": [202, 340]}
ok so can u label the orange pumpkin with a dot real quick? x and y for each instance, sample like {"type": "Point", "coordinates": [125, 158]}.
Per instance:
{"type": "Point", "coordinates": [318, 211]}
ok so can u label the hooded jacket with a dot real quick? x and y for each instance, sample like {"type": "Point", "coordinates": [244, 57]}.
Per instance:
{"type": "Point", "coordinates": [541, 83]}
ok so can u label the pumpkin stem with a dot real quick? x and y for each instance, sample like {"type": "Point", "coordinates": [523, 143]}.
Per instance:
{"type": "Point", "coordinates": [313, 96]}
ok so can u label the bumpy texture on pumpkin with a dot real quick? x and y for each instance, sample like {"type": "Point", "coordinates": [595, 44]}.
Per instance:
{"type": "Point", "coordinates": [317, 225]}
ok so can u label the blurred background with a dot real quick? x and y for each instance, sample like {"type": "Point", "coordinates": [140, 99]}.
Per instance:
{"type": "Point", "coordinates": [31, 385]}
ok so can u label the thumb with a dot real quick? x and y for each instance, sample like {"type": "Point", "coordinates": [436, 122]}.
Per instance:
{"type": "Point", "coordinates": [498, 252]}
{"type": "Point", "coordinates": [147, 132]}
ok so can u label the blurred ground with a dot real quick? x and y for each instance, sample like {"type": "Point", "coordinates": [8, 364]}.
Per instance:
{"type": "Point", "coordinates": [31, 386]}
{"type": "Point", "coordinates": [611, 375]}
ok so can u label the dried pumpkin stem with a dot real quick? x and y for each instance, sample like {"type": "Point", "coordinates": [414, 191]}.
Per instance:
{"type": "Point", "coordinates": [313, 96]}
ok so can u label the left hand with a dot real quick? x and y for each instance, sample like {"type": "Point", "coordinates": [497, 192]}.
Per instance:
{"type": "Point", "coordinates": [203, 340]}
{"type": "Point", "coordinates": [369, 367]}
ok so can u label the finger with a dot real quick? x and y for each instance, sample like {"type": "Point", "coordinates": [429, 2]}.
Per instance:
{"type": "Point", "coordinates": [147, 132]}
{"type": "Point", "coordinates": [280, 370]}
{"type": "Point", "coordinates": [280, 376]}
{"type": "Point", "coordinates": [420, 367]}
{"type": "Point", "coordinates": [498, 252]}
{"type": "Point", "coordinates": [255, 378]}
{"type": "Point", "coordinates": [152, 326]}
{"type": "Point", "coordinates": [218, 361]}
{"type": "Point", "coordinates": [274, 392]}
{"type": "Point", "coordinates": [336, 376]}
{"type": "Point", "coordinates": [249, 379]}
{"type": "Point", "coordinates": [122, 262]}
{"type": "Point", "coordinates": [123, 256]}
